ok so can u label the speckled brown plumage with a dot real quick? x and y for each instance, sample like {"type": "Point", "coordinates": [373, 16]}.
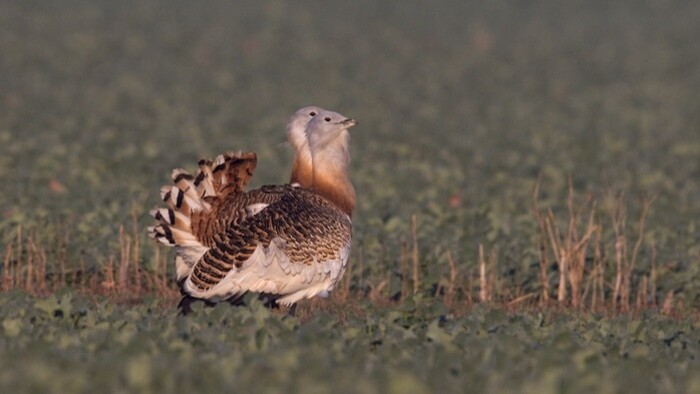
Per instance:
{"type": "Point", "coordinates": [229, 209]}
{"type": "Point", "coordinates": [288, 218]}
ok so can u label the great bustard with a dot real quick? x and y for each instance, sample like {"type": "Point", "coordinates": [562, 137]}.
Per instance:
{"type": "Point", "coordinates": [289, 241]}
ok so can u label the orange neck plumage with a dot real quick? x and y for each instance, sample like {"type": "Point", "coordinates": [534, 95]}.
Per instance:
{"type": "Point", "coordinates": [330, 183]}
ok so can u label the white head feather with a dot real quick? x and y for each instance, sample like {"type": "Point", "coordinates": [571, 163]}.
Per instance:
{"type": "Point", "coordinates": [329, 140]}
{"type": "Point", "coordinates": [296, 130]}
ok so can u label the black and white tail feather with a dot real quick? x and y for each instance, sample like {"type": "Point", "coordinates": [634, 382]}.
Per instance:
{"type": "Point", "coordinates": [191, 195]}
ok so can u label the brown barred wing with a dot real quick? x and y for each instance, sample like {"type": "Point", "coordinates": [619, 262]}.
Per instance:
{"type": "Point", "coordinates": [229, 210]}
{"type": "Point", "coordinates": [295, 233]}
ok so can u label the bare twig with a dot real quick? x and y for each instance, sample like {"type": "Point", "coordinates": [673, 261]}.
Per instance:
{"type": "Point", "coordinates": [483, 283]}
{"type": "Point", "coordinates": [449, 297]}
{"type": "Point", "coordinates": [416, 261]}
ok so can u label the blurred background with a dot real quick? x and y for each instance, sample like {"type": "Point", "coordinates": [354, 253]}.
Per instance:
{"type": "Point", "coordinates": [462, 105]}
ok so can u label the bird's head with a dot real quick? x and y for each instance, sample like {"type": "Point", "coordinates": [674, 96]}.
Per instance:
{"type": "Point", "coordinates": [327, 133]}
{"type": "Point", "coordinates": [296, 128]}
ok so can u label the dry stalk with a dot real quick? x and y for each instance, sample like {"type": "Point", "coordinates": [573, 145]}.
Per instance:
{"type": "Point", "coordinates": [362, 269]}
{"type": "Point", "coordinates": [642, 293]}
{"type": "Point", "coordinates": [619, 219]}
{"type": "Point", "coordinates": [470, 288]}
{"type": "Point", "coordinates": [589, 286]}
{"type": "Point", "coordinates": [541, 245]}
{"type": "Point", "coordinates": [652, 295]}
{"type": "Point", "coordinates": [598, 271]}
{"type": "Point", "coordinates": [492, 276]}
{"type": "Point", "coordinates": [449, 297]}
{"type": "Point", "coordinates": [570, 249]}
{"type": "Point", "coordinates": [29, 265]}
{"type": "Point", "coordinates": [483, 290]}
{"type": "Point", "coordinates": [108, 283]}
{"type": "Point", "coordinates": [667, 307]}
{"type": "Point", "coordinates": [635, 251]}
{"type": "Point", "coordinates": [36, 268]}
{"type": "Point", "coordinates": [375, 292]}
{"type": "Point", "coordinates": [416, 260]}
{"type": "Point", "coordinates": [83, 278]}
{"type": "Point", "coordinates": [62, 256]}
{"type": "Point", "coordinates": [560, 253]}
{"type": "Point", "coordinates": [6, 272]}
{"type": "Point", "coordinates": [595, 277]}
{"type": "Point", "coordinates": [625, 264]}
{"type": "Point", "coordinates": [579, 246]}
{"type": "Point", "coordinates": [135, 247]}
{"type": "Point", "coordinates": [17, 277]}
{"type": "Point", "coordinates": [520, 299]}
{"type": "Point", "coordinates": [403, 266]}
{"type": "Point", "coordinates": [124, 253]}
{"type": "Point", "coordinates": [19, 256]}
{"type": "Point", "coordinates": [158, 276]}
{"type": "Point", "coordinates": [571, 245]}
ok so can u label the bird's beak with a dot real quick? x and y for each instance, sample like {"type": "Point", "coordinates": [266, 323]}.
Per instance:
{"type": "Point", "coordinates": [348, 123]}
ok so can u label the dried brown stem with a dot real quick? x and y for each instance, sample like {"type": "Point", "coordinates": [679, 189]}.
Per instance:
{"type": "Point", "coordinates": [416, 260]}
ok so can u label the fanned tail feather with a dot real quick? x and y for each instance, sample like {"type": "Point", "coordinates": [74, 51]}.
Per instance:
{"type": "Point", "coordinates": [228, 172]}
{"type": "Point", "coordinates": [192, 195]}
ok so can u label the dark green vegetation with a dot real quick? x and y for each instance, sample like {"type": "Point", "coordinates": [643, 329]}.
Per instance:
{"type": "Point", "coordinates": [462, 107]}
{"type": "Point", "coordinates": [66, 345]}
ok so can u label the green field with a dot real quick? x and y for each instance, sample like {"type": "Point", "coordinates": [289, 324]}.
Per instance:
{"type": "Point", "coordinates": [463, 109]}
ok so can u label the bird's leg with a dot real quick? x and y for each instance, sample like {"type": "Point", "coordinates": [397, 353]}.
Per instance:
{"type": "Point", "coordinates": [237, 300]}
{"type": "Point", "coordinates": [269, 300]}
{"type": "Point", "coordinates": [185, 305]}
{"type": "Point", "coordinates": [292, 310]}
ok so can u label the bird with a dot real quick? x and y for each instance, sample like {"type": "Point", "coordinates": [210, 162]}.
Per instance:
{"type": "Point", "coordinates": [289, 242]}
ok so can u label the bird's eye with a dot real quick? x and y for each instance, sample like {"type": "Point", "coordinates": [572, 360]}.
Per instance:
{"type": "Point", "coordinates": [327, 119]}
{"type": "Point", "coordinates": [312, 113]}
